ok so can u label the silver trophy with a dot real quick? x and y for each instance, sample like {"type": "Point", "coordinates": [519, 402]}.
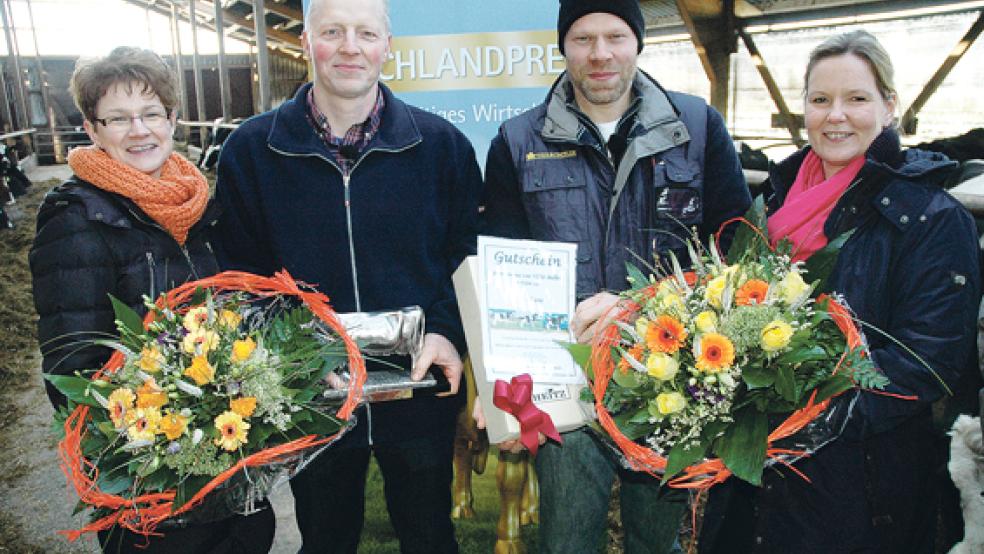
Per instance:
{"type": "Point", "coordinates": [386, 333]}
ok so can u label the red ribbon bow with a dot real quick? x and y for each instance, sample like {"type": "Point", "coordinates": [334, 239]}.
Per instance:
{"type": "Point", "coordinates": [516, 398]}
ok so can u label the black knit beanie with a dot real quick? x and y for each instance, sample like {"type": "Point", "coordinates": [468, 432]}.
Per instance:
{"type": "Point", "coordinates": [572, 10]}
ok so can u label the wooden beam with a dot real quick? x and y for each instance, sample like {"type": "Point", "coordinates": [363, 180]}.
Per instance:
{"type": "Point", "coordinates": [280, 52]}
{"type": "Point", "coordinates": [909, 120]}
{"type": "Point", "coordinates": [711, 27]}
{"type": "Point", "coordinates": [285, 11]}
{"type": "Point", "coordinates": [235, 19]}
{"type": "Point", "coordinates": [791, 124]}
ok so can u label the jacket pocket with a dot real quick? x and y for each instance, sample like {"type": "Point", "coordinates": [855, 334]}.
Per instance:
{"type": "Point", "coordinates": [556, 202]}
{"type": "Point", "coordinates": [679, 203]}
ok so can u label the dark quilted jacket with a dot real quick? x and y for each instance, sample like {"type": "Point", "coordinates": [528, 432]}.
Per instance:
{"type": "Point", "coordinates": [90, 244]}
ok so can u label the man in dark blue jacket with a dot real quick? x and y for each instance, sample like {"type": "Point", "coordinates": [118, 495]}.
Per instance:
{"type": "Point", "coordinates": [614, 163]}
{"type": "Point", "coordinates": [375, 203]}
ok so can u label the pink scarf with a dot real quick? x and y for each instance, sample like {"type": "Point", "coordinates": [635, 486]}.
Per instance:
{"type": "Point", "coordinates": [808, 203]}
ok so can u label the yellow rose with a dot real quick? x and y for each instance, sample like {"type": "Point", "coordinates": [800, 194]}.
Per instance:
{"type": "Point", "coordinates": [150, 359]}
{"type": "Point", "coordinates": [641, 326]}
{"type": "Point", "coordinates": [201, 341]}
{"type": "Point", "coordinates": [715, 290]}
{"type": "Point", "coordinates": [172, 425]}
{"type": "Point", "coordinates": [229, 319]}
{"type": "Point", "coordinates": [244, 406]}
{"type": "Point", "coordinates": [776, 335]}
{"type": "Point", "coordinates": [672, 301]}
{"type": "Point", "coordinates": [662, 366]}
{"type": "Point", "coordinates": [195, 317]}
{"type": "Point", "coordinates": [706, 321]}
{"type": "Point", "coordinates": [243, 349]}
{"type": "Point", "coordinates": [670, 402]}
{"type": "Point", "coordinates": [792, 288]}
{"type": "Point", "coordinates": [200, 370]}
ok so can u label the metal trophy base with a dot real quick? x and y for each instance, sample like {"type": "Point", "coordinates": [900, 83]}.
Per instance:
{"type": "Point", "coordinates": [386, 385]}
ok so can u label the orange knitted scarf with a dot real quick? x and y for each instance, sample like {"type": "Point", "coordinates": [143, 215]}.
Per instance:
{"type": "Point", "coordinates": [176, 200]}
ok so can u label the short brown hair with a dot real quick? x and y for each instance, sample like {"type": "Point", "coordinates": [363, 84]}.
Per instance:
{"type": "Point", "coordinates": [124, 65]}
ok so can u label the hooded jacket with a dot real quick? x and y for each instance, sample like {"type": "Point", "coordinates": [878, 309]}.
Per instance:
{"type": "Point", "coordinates": [910, 272]}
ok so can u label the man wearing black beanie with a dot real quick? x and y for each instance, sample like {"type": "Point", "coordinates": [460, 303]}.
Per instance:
{"type": "Point", "coordinates": [620, 166]}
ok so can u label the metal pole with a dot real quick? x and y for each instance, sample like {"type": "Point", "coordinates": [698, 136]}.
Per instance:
{"type": "Point", "coordinates": [224, 94]}
{"type": "Point", "coordinates": [8, 121]}
{"type": "Point", "coordinates": [199, 93]}
{"type": "Point", "coordinates": [179, 67]}
{"type": "Point", "coordinates": [13, 59]}
{"type": "Point", "coordinates": [56, 146]}
{"type": "Point", "coordinates": [262, 57]}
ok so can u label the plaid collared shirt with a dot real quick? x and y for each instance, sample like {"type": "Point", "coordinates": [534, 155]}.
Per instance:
{"type": "Point", "coordinates": [357, 135]}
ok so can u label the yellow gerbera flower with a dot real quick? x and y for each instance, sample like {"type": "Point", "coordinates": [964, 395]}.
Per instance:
{"type": "Point", "coordinates": [150, 395]}
{"type": "Point", "coordinates": [243, 349]}
{"type": "Point", "coordinates": [144, 424]}
{"type": "Point", "coordinates": [120, 405]}
{"type": "Point", "coordinates": [244, 406]}
{"type": "Point", "coordinates": [714, 352]}
{"type": "Point", "coordinates": [200, 370]}
{"type": "Point", "coordinates": [195, 318]}
{"type": "Point", "coordinates": [232, 430]}
{"type": "Point", "coordinates": [173, 425]}
{"type": "Point", "coordinates": [150, 358]}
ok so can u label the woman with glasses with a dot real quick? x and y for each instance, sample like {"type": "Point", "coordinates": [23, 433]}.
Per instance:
{"type": "Point", "coordinates": [133, 221]}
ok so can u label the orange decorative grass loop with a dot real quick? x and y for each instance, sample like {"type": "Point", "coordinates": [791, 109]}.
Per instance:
{"type": "Point", "coordinates": [702, 475]}
{"type": "Point", "coordinates": [144, 513]}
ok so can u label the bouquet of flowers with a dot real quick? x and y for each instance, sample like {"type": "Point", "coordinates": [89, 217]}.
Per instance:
{"type": "Point", "coordinates": [212, 393]}
{"type": "Point", "coordinates": [718, 364]}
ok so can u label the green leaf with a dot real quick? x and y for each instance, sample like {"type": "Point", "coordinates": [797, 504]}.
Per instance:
{"type": "Point", "coordinates": [580, 352]}
{"type": "Point", "coordinates": [637, 279]}
{"type": "Point", "coordinates": [627, 379]}
{"type": "Point", "coordinates": [801, 355]}
{"type": "Point", "coordinates": [819, 265]}
{"type": "Point", "coordinates": [680, 457]}
{"type": "Point", "coordinates": [126, 316]}
{"type": "Point", "coordinates": [114, 482]}
{"type": "Point", "coordinates": [74, 388]}
{"type": "Point", "coordinates": [758, 377]}
{"type": "Point", "coordinates": [833, 386]}
{"type": "Point", "coordinates": [786, 382]}
{"type": "Point", "coordinates": [742, 447]}
{"type": "Point", "coordinates": [188, 489]}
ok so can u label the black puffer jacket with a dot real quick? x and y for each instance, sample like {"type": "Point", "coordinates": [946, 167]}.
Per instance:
{"type": "Point", "coordinates": [91, 243]}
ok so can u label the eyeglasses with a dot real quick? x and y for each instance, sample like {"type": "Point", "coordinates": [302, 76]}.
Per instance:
{"type": "Point", "coordinates": [152, 119]}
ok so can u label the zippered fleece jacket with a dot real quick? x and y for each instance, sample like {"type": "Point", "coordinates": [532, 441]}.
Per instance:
{"type": "Point", "coordinates": [388, 234]}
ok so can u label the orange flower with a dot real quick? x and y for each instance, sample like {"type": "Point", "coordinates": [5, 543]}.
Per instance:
{"type": "Point", "coordinates": [714, 353]}
{"type": "Point", "coordinates": [665, 334]}
{"type": "Point", "coordinates": [243, 406]}
{"type": "Point", "coordinates": [635, 352]}
{"type": "Point", "coordinates": [752, 292]}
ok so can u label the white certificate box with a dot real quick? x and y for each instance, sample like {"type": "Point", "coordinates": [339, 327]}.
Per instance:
{"type": "Point", "coordinates": [558, 400]}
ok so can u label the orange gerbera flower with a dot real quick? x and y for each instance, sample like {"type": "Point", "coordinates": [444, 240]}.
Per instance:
{"type": "Point", "coordinates": [636, 353]}
{"type": "Point", "coordinates": [714, 353]}
{"type": "Point", "coordinates": [665, 334]}
{"type": "Point", "coordinates": [752, 292]}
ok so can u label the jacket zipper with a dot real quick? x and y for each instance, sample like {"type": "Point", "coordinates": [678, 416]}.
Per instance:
{"type": "Point", "coordinates": [182, 247]}
{"type": "Point", "coordinates": [153, 271]}
{"type": "Point", "coordinates": [346, 178]}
